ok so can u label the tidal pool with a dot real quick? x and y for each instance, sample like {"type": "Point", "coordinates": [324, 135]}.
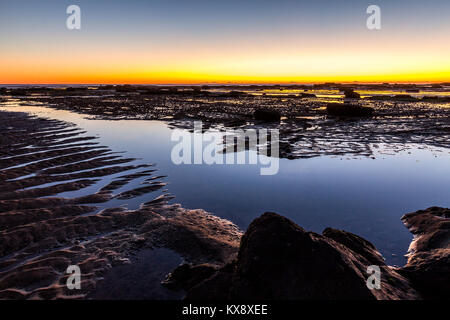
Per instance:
{"type": "Point", "coordinates": [359, 194]}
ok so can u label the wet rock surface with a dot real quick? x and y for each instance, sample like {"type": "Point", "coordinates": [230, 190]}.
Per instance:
{"type": "Point", "coordinates": [187, 276]}
{"type": "Point", "coordinates": [267, 115]}
{"type": "Point", "coordinates": [398, 121]}
{"type": "Point", "coordinates": [349, 110]}
{"type": "Point", "coordinates": [279, 260]}
{"type": "Point", "coordinates": [428, 264]}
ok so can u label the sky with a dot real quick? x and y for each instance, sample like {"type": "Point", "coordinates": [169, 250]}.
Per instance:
{"type": "Point", "coordinates": [246, 41]}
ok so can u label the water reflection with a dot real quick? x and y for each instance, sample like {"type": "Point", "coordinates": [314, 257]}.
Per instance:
{"type": "Point", "coordinates": [359, 194]}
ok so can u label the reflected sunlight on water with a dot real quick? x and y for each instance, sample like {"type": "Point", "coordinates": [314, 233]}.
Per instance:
{"type": "Point", "coordinates": [359, 194]}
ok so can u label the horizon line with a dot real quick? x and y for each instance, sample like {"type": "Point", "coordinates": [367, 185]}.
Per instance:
{"type": "Point", "coordinates": [227, 83]}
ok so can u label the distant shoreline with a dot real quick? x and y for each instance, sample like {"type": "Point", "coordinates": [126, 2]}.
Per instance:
{"type": "Point", "coordinates": [231, 84]}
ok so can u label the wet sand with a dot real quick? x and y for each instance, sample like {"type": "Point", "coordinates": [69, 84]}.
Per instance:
{"type": "Point", "coordinates": [41, 233]}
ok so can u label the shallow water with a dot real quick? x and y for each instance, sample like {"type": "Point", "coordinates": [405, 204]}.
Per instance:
{"type": "Point", "coordinates": [141, 278]}
{"type": "Point", "coordinates": [359, 194]}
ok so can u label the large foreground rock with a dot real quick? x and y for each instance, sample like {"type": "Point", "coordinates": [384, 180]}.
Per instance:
{"type": "Point", "coordinates": [280, 260]}
{"type": "Point", "coordinates": [428, 265]}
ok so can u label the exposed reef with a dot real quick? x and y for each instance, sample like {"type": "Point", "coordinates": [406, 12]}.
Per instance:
{"type": "Point", "coordinates": [349, 110]}
{"type": "Point", "coordinates": [428, 264]}
{"type": "Point", "coordinates": [42, 233]}
{"type": "Point", "coordinates": [391, 120]}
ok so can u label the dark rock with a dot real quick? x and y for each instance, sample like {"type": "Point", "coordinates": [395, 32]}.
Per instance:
{"type": "Point", "coordinates": [350, 94]}
{"type": "Point", "coordinates": [279, 260]}
{"type": "Point", "coordinates": [436, 99]}
{"type": "Point", "coordinates": [284, 148]}
{"type": "Point", "coordinates": [349, 110]}
{"type": "Point", "coordinates": [267, 115]}
{"type": "Point", "coordinates": [308, 95]}
{"type": "Point", "coordinates": [379, 98]}
{"type": "Point", "coordinates": [398, 97]}
{"type": "Point", "coordinates": [186, 276]}
{"type": "Point", "coordinates": [428, 265]}
{"type": "Point", "coordinates": [404, 97]}
{"type": "Point", "coordinates": [179, 116]}
{"type": "Point", "coordinates": [18, 92]}
{"type": "Point", "coordinates": [216, 287]}
{"type": "Point", "coordinates": [355, 243]}
{"type": "Point", "coordinates": [235, 122]}
{"type": "Point", "coordinates": [234, 94]}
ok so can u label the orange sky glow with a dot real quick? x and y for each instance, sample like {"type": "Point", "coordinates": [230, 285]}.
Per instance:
{"type": "Point", "coordinates": [44, 52]}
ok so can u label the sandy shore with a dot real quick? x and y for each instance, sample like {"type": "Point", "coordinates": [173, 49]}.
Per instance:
{"type": "Point", "coordinates": [41, 233]}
